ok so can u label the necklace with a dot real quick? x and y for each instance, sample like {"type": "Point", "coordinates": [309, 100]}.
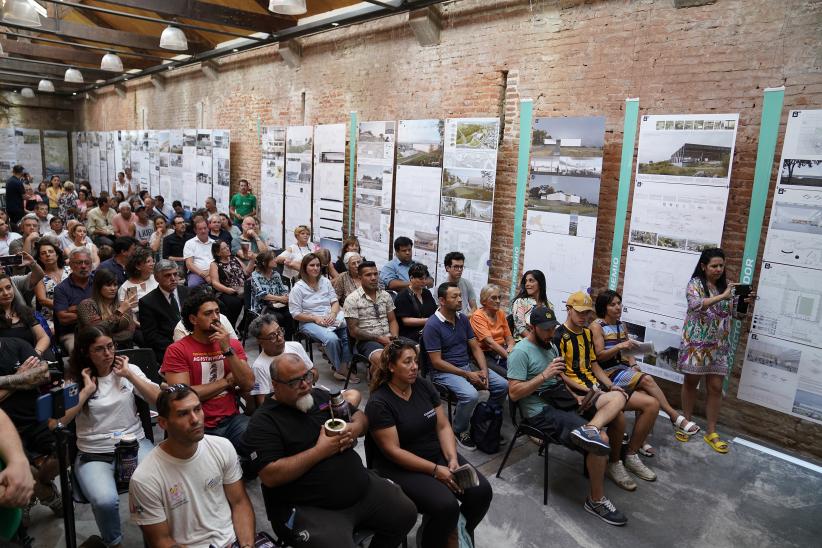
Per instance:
{"type": "Point", "coordinates": [402, 393]}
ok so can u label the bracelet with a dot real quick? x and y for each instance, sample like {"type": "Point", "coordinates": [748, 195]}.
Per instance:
{"type": "Point", "coordinates": [434, 475]}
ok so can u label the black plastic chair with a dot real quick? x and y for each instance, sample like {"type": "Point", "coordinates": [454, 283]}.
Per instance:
{"type": "Point", "coordinates": [248, 314]}
{"type": "Point", "coordinates": [510, 319]}
{"type": "Point", "coordinates": [356, 358]}
{"type": "Point", "coordinates": [445, 393]}
{"type": "Point", "coordinates": [144, 359]}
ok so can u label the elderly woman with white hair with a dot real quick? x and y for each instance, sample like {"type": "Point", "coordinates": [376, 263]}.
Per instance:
{"type": "Point", "coordinates": [348, 281]}
{"type": "Point", "coordinates": [491, 329]}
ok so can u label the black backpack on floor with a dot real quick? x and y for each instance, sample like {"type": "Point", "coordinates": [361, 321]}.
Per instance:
{"type": "Point", "coordinates": [486, 424]}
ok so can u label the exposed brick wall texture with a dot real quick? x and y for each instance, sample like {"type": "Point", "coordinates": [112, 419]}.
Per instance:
{"type": "Point", "coordinates": [573, 58]}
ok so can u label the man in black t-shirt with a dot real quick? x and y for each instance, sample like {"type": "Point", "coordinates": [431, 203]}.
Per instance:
{"type": "Point", "coordinates": [315, 487]}
{"type": "Point", "coordinates": [21, 374]}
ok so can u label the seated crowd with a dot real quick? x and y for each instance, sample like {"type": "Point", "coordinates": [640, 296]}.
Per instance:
{"type": "Point", "coordinates": [95, 284]}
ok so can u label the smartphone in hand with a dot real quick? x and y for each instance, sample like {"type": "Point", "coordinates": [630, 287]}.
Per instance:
{"type": "Point", "coordinates": [742, 291]}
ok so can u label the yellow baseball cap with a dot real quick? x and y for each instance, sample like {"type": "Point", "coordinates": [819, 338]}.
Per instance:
{"type": "Point", "coordinates": [580, 301]}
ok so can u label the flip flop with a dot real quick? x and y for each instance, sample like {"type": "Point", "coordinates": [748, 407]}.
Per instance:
{"type": "Point", "coordinates": [647, 450]}
{"type": "Point", "coordinates": [716, 444]}
{"type": "Point", "coordinates": [682, 436]}
{"type": "Point", "coordinates": [689, 428]}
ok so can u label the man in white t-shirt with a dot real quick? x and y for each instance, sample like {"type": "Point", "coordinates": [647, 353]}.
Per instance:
{"type": "Point", "coordinates": [189, 491]}
{"type": "Point", "coordinates": [198, 256]}
{"type": "Point", "coordinates": [6, 236]}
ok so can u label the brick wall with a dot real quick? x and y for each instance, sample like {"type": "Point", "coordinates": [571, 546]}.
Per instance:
{"type": "Point", "coordinates": [573, 58]}
{"type": "Point", "coordinates": [42, 112]}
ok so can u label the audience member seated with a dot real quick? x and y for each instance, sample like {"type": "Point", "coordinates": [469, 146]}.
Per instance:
{"type": "Point", "coordinates": [532, 293]}
{"type": "Point", "coordinates": [189, 490]}
{"type": "Point", "coordinates": [105, 413]}
{"type": "Point", "coordinates": [228, 279]}
{"type": "Point", "coordinates": [123, 221]}
{"type": "Point", "coordinates": [394, 275]}
{"type": "Point", "coordinates": [178, 208]}
{"type": "Point", "coordinates": [491, 329]}
{"type": "Point", "coordinates": [56, 229]}
{"type": "Point", "coordinates": [18, 321]}
{"type": "Point", "coordinates": [123, 248]}
{"type": "Point", "coordinates": [198, 256]}
{"type": "Point", "coordinates": [80, 240]}
{"type": "Point", "coordinates": [25, 276]}
{"type": "Point", "coordinates": [151, 212]}
{"type": "Point", "coordinates": [174, 243]}
{"type": "Point", "coordinates": [450, 343]}
{"type": "Point", "coordinates": [163, 209]}
{"type": "Point", "coordinates": [41, 212]}
{"type": "Point", "coordinates": [141, 282]}
{"type": "Point", "coordinates": [292, 257]}
{"type": "Point", "coordinates": [69, 293]}
{"type": "Point", "coordinates": [99, 221]}
{"type": "Point", "coordinates": [417, 450]}
{"type": "Point", "coordinates": [583, 375]}
{"type": "Point", "coordinates": [29, 232]}
{"type": "Point", "coordinates": [349, 245]}
{"type": "Point", "coordinates": [21, 375]}
{"type": "Point", "coordinates": [159, 310]}
{"type": "Point", "coordinates": [144, 225]}
{"type": "Point", "coordinates": [155, 242]}
{"type": "Point", "coordinates": [326, 266]}
{"type": "Point", "coordinates": [82, 204]}
{"type": "Point", "coordinates": [250, 243]}
{"type": "Point", "coordinates": [415, 304]}
{"type": "Point", "coordinates": [6, 236]}
{"type": "Point", "coordinates": [213, 364]}
{"type": "Point", "coordinates": [454, 266]}
{"type": "Point", "coordinates": [316, 490]}
{"type": "Point", "coordinates": [369, 313]}
{"type": "Point", "coordinates": [349, 281]}
{"type": "Point", "coordinates": [534, 369]}
{"type": "Point", "coordinates": [105, 311]}
{"type": "Point", "coordinates": [610, 338]}
{"type": "Point", "coordinates": [313, 303]}
{"type": "Point", "coordinates": [210, 206]}
{"type": "Point", "coordinates": [269, 295]}
{"type": "Point", "coordinates": [216, 231]}
{"type": "Point", "coordinates": [50, 258]}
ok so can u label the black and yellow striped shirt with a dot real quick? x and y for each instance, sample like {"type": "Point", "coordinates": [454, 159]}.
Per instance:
{"type": "Point", "coordinates": [578, 351]}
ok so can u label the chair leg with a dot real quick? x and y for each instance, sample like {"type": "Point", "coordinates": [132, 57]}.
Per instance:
{"type": "Point", "coordinates": [508, 452]}
{"type": "Point", "coordinates": [545, 476]}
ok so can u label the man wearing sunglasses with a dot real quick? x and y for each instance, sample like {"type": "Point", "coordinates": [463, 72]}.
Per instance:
{"type": "Point", "coordinates": [315, 487]}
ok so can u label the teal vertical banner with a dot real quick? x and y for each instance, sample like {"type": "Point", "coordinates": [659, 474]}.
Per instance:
{"type": "Point", "coordinates": [768, 133]}
{"type": "Point", "coordinates": [626, 165]}
{"type": "Point", "coordinates": [526, 118]}
{"type": "Point", "coordinates": [352, 163]}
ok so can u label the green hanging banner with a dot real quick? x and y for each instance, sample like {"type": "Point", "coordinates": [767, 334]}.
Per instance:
{"type": "Point", "coordinates": [352, 162]}
{"type": "Point", "coordinates": [526, 117]}
{"type": "Point", "coordinates": [768, 133]}
{"type": "Point", "coordinates": [626, 165]}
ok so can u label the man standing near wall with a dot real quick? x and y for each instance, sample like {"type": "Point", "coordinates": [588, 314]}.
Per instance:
{"type": "Point", "coordinates": [14, 195]}
{"type": "Point", "coordinates": [242, 204]}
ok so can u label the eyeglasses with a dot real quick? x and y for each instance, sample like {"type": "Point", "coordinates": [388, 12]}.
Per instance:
{"type": "Point", "coordinates": [295, 383]}
{"type": "Point", "coordinates": [103, 348]}
{"type": "Point", "coordinates": [172, 388]}
{"type": "Point", "coordinates": [279, 334]}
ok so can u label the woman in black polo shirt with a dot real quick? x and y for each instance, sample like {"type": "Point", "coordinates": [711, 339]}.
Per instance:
{"type": "Point", "coordinates": [417, 448]}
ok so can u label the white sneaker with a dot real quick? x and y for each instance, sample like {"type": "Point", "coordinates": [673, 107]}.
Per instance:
{"type": "Point", "coordinates": [616, 471]}
{"type": "Point", "coordinates": [635, 465]}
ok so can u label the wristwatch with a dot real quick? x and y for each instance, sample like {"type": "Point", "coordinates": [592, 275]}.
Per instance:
{"type": "Point", "coordinates": [228, 353]}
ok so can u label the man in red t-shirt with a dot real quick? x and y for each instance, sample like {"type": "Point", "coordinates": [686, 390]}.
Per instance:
{"type": "Point", "coordinates": [213, 364]}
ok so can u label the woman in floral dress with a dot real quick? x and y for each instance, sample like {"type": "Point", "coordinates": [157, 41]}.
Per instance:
{"type": "Point", "coordinates": [705, 347]}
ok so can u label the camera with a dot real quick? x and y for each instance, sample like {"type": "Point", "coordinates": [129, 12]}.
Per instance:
{"type": "Point", "coordinates": [11, 260]}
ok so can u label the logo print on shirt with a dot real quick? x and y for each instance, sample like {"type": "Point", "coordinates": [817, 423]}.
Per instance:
{"type": "Point", "coordinates": [176, 496]}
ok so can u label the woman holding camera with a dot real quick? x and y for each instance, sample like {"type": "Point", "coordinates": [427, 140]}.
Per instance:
{"type": "Point", "coordinates": [105, 412]}
{"type": "Point", "coordinates": [417, 448]}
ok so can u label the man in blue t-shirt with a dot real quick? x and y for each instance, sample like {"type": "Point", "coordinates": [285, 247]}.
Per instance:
{"type": "Point", "coordinates": [450, 342]}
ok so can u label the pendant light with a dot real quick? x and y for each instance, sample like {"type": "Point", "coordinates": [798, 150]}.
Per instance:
{"type": "Point", "coordinates": [173, 39]}
{"type": "Point", "coordinates": [45, 85]}
{"type": "Point", "coordinates": [73, 76]}
{"type": "Point", "coordinates": [287, 7]}
{"type": "Point", "coordinates": [112, 63]}
{"type": "Point", "coordinates": [28, 93]}
{"type": "Point", "coordinates": [21, 12]}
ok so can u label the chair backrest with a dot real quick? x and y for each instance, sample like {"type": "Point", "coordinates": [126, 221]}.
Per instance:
{"type": "Point", "coordinates": [144, 411]}
{"type": "Point", "coordinates": [145, 360]}
{"type": "Point", "coordinates": [425, 361]}
{"type": "Point", "coordinates": [247, 293]}
{"type": "Point", "coordinates": [510, 319]}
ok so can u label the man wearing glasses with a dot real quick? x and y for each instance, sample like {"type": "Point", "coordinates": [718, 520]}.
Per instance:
{"type": "Point", "coordinates": [455, 265]}
{"type": "Point", "coordinates": [315, 487]}
{"type": "Point", "coordinates": [213, 364]}
{"type": "Point", "coordinates": [69, 293]}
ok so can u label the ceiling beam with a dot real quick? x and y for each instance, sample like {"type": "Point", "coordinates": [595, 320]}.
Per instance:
{"type": "Point", "coordinates": [211, 13]}
{"type": "Point", "coordinates": [63, 54]}
{"type": "Point", "coordinates": [32, 65]}
{"type": "Point", "coordinates": [89, 47]}
{"type": "Point", "coordinates": [33, 79]}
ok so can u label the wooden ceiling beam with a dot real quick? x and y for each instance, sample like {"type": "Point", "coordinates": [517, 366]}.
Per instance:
{"type": "Point", "coordinates": [67, 54]}
{"type": "Point", "coordinates": [211, 13]}
{"type": "Point", "coordinates": [58, 69]}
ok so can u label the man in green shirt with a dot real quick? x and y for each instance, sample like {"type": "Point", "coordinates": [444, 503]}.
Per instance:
{"type": "Point", "coordinates": [242, 204]}
{"type": "Point", "coordinates": [534, 368]}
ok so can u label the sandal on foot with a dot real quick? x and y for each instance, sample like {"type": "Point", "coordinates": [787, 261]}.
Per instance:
{"type": "Point", "coordinates": [716, 444]}
{"type": "Point", "coordinates": [647, 450]}
{"type": "Point", "coordinates": [688, 428]}
{"type": "Point", "coordinates": [682, 436]}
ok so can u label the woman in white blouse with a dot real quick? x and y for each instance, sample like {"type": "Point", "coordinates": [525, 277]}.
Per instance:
{"type": "Point", "coordinates": [292, 257]}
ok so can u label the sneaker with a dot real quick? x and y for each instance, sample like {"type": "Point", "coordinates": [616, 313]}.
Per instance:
{"type": "Point", "coordinates": [465, 441]}
{"type": "Point", "coordinates": [588, 438]}
{"type": "Point", "coordinates": [54, 502]}
{"type": "Point", "coordinates": [605, 510]}
{"type": "Point", "coordinates": [616, 471]}
{"type": "Point", "coordinates": [635, 465]}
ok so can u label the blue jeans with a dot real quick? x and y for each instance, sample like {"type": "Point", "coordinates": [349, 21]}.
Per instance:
{"type": "Point", "coordinates": [96, 479]}
{"type": "Point", "coordinates": [467, 395]}
{"type": "Point", "coordinates": [231, 428]}
{"type": "Point", "coordinates": [335, 342]}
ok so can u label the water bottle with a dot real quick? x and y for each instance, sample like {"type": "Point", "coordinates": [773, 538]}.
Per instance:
{"type": "Point", "coordinates": [125, 459]}
{"type": "Point", "coordinates": [339, 407]}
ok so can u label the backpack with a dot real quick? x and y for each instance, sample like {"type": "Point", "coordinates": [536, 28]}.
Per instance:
{"type": "Point", "coordinates": [486, 424]}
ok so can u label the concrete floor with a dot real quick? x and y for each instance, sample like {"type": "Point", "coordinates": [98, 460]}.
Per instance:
{"type": "Point", "coordinates": [701, 498]}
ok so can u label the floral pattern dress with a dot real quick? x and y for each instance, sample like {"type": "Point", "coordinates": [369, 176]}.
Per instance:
{"type": "Point", "coordinates": [706, 334]}
{"type": "Point", "coordinates": [521, 311]}
{"type": "Point", "coordinates": [65, 202]}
